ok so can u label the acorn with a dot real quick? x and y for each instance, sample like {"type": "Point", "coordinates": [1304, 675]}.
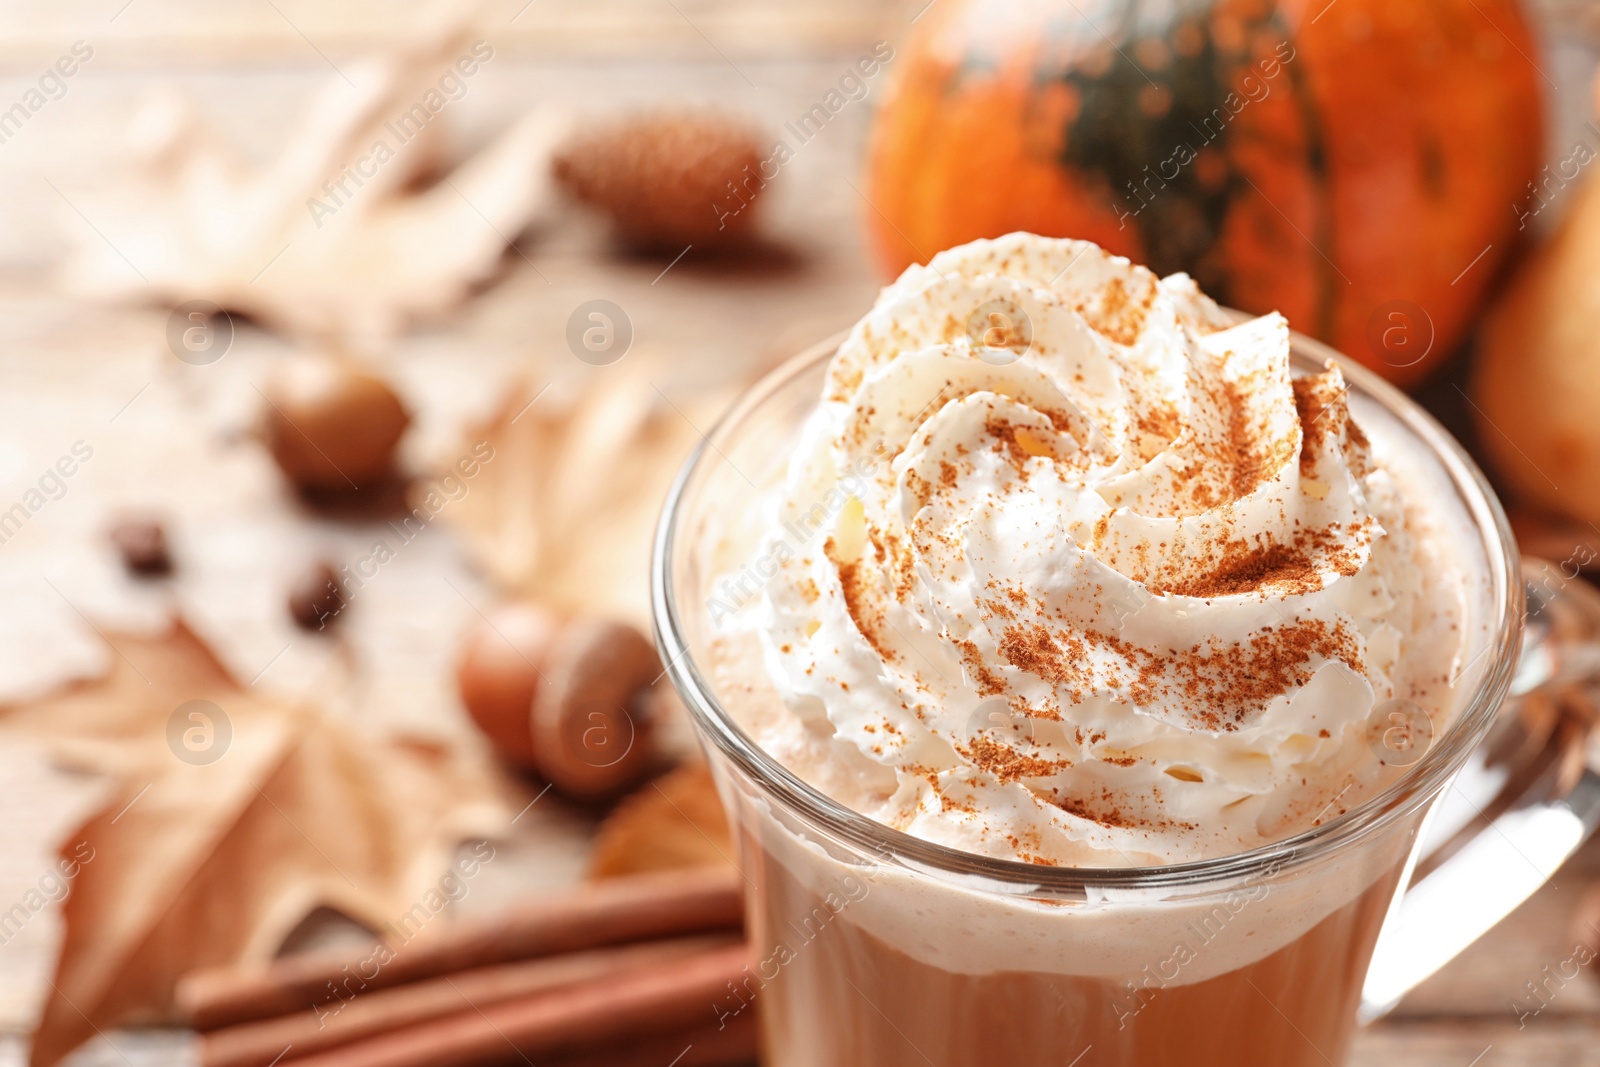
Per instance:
{"type": "Point", "coordinates": [331, 426]}
{"type": "Point", "coordinates": [558, 695]}
{"type": "Point", "coordinates": [667, 180]}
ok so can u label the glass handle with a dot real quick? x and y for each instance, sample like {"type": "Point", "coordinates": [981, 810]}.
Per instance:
{"type": "Point", "coordinates": [1523, 803]}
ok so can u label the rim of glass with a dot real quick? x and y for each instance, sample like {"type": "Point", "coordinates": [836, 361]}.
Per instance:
{"type": "Point", "coordinates": [1416, 786]}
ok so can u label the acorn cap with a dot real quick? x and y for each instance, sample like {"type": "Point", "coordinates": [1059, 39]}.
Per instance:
{"type": "Point", "coordinates": [668, 179]}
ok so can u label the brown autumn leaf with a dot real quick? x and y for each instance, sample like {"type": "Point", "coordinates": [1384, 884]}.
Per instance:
{"type": "Point", "coordinates": [197, 863]}
{"type": "Point", "coordinates": [341, 236]}
{"type": "Point", "coordinates": [674, 821]}
{"type": "Point", "coordinates": [566, 512]}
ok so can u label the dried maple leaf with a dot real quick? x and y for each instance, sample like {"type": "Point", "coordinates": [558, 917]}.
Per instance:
{"type": "Point", "coordinates": [566, 511]}
{"type": "Point", "coordinates": [201, 861]}
{"type": "Point", "coordinates": [675, 821]}
{"type": "Point", "coordinates": [332, 238]}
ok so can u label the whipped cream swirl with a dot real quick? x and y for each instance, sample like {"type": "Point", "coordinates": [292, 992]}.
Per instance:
{"type": "Point", "coordinates": [1085, 576]}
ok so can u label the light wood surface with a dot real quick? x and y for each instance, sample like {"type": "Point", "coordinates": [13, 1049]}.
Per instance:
{"type": "Point", "coordinates": [173, 435]}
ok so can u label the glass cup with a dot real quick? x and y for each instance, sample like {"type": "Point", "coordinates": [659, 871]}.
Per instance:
{"type": "Point", "coordinates": [874, 947]}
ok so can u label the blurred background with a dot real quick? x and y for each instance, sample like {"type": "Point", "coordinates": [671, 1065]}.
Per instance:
{"type": "Point", "coordinates": [348, 350]}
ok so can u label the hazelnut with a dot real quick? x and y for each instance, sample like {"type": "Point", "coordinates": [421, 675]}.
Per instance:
{"type": "Point", "coordinates": [558, 696]}
{"type": "Point", "coordinates": [497, 675]}
{"type": "Point", "coordinates": [314, 598]}
{"type": "Point", "coordinates": [331, 426]}
{"type": "Point", "coordinates": [142, 543]}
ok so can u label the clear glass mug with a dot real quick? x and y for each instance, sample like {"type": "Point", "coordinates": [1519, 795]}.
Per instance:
{"type": "Point", "coordinates": [870, 946]}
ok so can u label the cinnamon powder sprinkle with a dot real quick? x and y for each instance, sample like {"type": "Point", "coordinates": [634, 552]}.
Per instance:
{"type": "Point", "coordinates": [920, 490]}
{"type": "Point", "coordinates": [1235, 462]}
{"type": "Point", "coordinates": [1245, 568]}
{"type": "Point", "coordinates": [1033, 649]}
{"type": "Point", "coordinates": [1105, 816]}
{"type": "Point", "coordinates": [901, 562]}
{"type": "Point", "coordinates": [987, 681]}
{"type": "Point", "coordinates": [1120, 315]}
{"type": "Point", "coordinates": [1310, 403]}
{"type": "Point", "coordinates": [1281, 566]}
{"type": "Point", "coordinates": [947, 803]}
{"type": "Point", "coordinates": [1314, 398]}
{"type": "Point", "coordinates": [1111, 811]}
{"type": "Point", "coordinates": [1160, 421]}
{"type": "Point", "coordinates": [863, 608]}
{"type": "Point", "coordinates": [1226, 684]}
{"type": "Point", "coordinates": [1251, 460]}
{"type": "Point", "coordinates": [1006, 763]}
{"type": "Point", "coordinates": [1221, 685]}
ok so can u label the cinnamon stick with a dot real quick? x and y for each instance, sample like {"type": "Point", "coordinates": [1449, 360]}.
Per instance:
{"type": "Point", "coordinates": [617, 911]}
{"type": "Point", "coordinates": [648, 1002]}
{"type": "Point", "coordinates": [301, 1033]}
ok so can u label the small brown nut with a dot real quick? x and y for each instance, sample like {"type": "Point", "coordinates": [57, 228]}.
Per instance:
{"type": "Point", "coordinates": [142, 543]}
{"type": "Point", "coordinates": [590, 739]}
{"type": "Point", "coordinates": [556, 695]}
{"type": "Point", "coordinates": [667, 180]}
{"type": "Point", "coordinates": [331, 426]}
{"type": "Point", "coordinates": [315, 600]}
{"type": "Point", "coordinates": [498, 674]}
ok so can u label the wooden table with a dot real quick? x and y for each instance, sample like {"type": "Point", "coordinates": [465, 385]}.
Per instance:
{"type": "Point", "coordinates": [170, 434]}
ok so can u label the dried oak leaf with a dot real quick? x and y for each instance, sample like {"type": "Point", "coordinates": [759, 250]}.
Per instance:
{"type": "Point", "coordinates": [675, 821]}
{"type": "Point", "coordinates": [566, 510]}
{"type": "Point", "coordinates": [205, 863]}
{"type": "Point", "coordinates": [332, 239]}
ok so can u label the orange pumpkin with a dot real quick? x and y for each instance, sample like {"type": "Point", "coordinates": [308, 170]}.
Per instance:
{"type": "Point", "coordinates": [1360, 165]}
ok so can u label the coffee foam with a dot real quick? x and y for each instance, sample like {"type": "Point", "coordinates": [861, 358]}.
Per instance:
{"type": "Point", "coordinates": [970, 925]}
